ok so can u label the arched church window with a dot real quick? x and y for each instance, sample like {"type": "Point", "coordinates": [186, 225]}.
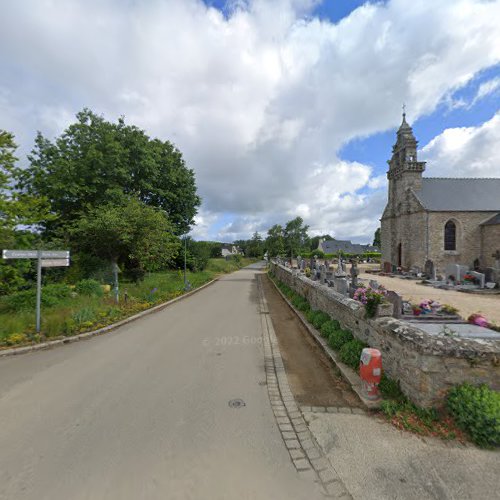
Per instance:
{"type": "Point", "coordinates": [450, 236]}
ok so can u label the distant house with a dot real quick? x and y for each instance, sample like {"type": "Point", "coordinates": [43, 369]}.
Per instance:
{"type": "Point", "coordinates": [344, 246]}
{"type": "Point", "coordinates": [228, 250]}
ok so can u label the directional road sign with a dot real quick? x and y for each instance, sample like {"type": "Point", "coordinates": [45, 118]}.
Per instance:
{"type": "Point", "coordinates": [55, 262]}
{"type": "Point", "coordinates": [33, 254]}
{"type": "Point", "coordinates": [46, 258]}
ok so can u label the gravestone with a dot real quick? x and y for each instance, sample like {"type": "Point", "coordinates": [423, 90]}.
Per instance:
{"type": "Point", "coordinates": [407, 308]}
{"type": "Point", "coordinates": [374, 284]}
{"type": "Point", "coordinates": [341, 286]}
{"type": "Point", "coordinates": [457, 271]}
{"type": "Point", "coordinates": [430, 270]}
{"type": "Point", "coordinates": [397, 301]}
{"type": "Point", "coordinates": [480, 277]}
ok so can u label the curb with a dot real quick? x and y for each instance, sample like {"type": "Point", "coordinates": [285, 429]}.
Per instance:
{"type": "Point", "coordinates": [83, 336]}
{"type": "Point", "coordinates": [305, 453]}
{"type": "Point", "coordinates": [347, 372]}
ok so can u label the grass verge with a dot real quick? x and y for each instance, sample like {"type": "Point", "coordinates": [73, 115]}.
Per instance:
{"type": "Point", "coordinates": [65, 312]}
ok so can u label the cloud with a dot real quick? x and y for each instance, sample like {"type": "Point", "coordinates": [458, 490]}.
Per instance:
{"type": "Point", "coordinates": [469, 151]}
{"type": "Point", "coordinates": [487, 88]}
{"type": "Point", "coordinates": [260, 98]}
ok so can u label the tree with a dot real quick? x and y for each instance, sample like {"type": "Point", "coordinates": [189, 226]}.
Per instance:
{"type": "Point", "coordinates": [15, 209]}
{"type": "Point", "coordinates": [295, 236]}
{"type": "Point", "coordinates": [95, 162]}
{"type": "Point", "coordinates": [255, 246]}
{"type": "Point", "coordinates": [376, 239]}
{"type": "Point", "coordinates": [129, 233]}
{"type": "Point", "coordinates": [274, 244]}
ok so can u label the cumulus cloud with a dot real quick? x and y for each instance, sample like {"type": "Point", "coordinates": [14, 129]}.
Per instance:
{"type": "Point", "coordinates": [469, 151]}
{"type": "Point", "coordinates": [259, 99]}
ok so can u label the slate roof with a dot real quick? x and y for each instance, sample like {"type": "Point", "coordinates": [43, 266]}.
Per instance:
{"type": "Point", "coordinates": [333, 246]}
{"type": "Point", "coordinates": [459, 195]}
{"type": "Point", "coordinates": [493, 221]}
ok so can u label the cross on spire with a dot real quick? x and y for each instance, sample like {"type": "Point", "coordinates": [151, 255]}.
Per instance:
{"type": "Point", "coordinates": [404, 110]}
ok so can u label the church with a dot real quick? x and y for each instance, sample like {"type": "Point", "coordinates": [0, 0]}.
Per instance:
{"type": "Point", "coordinates": [437, 221]}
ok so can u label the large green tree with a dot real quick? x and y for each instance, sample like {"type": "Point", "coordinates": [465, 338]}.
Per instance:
{"type": "Point", "coordinates": [95, 162]}
{"type": "Point", "coordinates": [295, 237]}
{"type": "Point", "coordinates": [376, 239]}
{"type": "Point", "coordinates": [255, 246]}
{"type": "Point", "coordinates": [128, 233]}
{"type": "Point", "coordinates": [16, 209]}
{"type": "Point", "coordinates": [275, 244]}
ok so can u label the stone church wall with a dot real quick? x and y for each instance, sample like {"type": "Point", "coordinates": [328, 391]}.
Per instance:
{"type": "Point", "coordinates": [490, 244]}
{"type": "Point", "coordinates": [426, 366]}
{"type": "Point", "coordinates": [468, 238]}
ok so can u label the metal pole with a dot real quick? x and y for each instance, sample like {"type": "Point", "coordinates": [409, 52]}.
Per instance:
{"type": "Point", "coordinates": [38, 290]}
{"type": "Point", "coordinates": [185, 253]}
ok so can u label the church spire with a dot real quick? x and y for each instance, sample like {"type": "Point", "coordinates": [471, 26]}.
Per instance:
{"type": "Point", "coordinates": [404, 152]}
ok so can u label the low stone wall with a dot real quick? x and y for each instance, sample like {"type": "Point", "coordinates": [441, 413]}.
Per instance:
{"type": "Point", "coordinates": [426, 366]}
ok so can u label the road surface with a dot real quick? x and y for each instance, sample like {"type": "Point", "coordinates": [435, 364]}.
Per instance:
{"type": "Point", "coordinates": [143, 413]}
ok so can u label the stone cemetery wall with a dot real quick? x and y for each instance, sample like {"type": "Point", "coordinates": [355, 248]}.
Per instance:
{"type": "Point", "coordinates": [426, 366]}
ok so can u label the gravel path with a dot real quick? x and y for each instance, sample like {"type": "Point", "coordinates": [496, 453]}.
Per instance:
{"type": "Point", "coordinates": [466, 303]}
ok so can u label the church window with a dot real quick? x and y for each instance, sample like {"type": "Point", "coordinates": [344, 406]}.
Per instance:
{"type": "Point", "coordinates": [450, 236]}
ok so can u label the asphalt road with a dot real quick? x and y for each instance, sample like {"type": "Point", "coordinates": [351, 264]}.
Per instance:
{"type": "Point", "coordinates": [143, 413]}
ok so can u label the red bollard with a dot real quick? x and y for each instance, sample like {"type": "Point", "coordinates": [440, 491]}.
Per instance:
{"type": "Point", "coordinates": [370, 371]}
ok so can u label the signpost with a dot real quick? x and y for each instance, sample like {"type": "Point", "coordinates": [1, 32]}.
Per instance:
{"type": "Point", "coordinates": [45, 258]}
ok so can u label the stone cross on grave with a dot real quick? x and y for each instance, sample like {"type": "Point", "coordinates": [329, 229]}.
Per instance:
{"type": "Point", "coordinates": [496, 256]}
{"type": "Point", "coordinates": [354, 273]}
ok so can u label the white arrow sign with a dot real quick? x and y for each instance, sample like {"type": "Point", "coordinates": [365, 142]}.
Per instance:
{"type": "Point", "coordinates": [33, 254]}
{"type": "Point", "coordinates": [55, 262]}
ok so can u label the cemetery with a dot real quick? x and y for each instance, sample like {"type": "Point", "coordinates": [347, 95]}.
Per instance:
{"type": "Point", "coordinates": [427, 353]}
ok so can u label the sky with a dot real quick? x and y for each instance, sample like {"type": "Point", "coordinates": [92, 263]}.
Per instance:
{"type": "Point", "coordinates": [282, 108]}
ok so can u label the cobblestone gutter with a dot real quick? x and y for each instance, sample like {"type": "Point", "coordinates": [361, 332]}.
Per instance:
{"type": "Point", "coordinates": [426, 366]}
{"type": "Point", "coordinates": [305, 453]}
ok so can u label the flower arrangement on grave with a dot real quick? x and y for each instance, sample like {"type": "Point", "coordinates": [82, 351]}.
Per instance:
{"type": "Point", "coordinates": [370, 298]}
{"type": "Point", "coordinates": [307, 272]}
{"type": "Point", "coordinates": [478, 319]}
{"type": "Point", "coordinates": [417, 311]}
{"type": "Point", "coordinates": [447, 309]}
{"type": "Point", "coordinates": [469, 278]}
{"type": "Point", "coordinates": [429, 306]}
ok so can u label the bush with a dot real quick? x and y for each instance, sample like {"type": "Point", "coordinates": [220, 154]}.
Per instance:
{"type": "Point", "coordinates": [89, 288]}
{"type": "Point", "coordinates": [477, 411]}
{"type": "Point", "coordinates": [51, 295]}
{"type": "Point", "coordinates": [338, 338]}
{"type": "Point", "coordinates": [390, 389]}
{"type": "Point", "coordinates": [328, 327]}
{"type": "Point", "coordinates": [350, 353]}
{"type": "Point", "coordinates": [300, 303]}
{"type": "Point", "coordinates": [319, 317]}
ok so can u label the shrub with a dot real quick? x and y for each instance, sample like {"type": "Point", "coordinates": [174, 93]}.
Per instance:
{"type": "Point", "coordinates": [52, 295]}
{"type": "Point", "coordinates": [338, 338]}
{"type": "Point", "coordinates": [350, 353]}
{"type": "Point", "coordinates": [328, 327]}
{"type": "Point", "coordinates": [89, 288]}
{"type": "Point", "coordinates": [477, 411]}
{"type": "Point", "coordinates": [319, 318]}
{"type": "Point", "coordinates": [390, 388]}
{"type": "Point", "coordinates": [300, 303]}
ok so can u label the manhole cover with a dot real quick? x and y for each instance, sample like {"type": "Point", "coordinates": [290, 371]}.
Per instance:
{"type": "Point", "coordinates": [236, 403]}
